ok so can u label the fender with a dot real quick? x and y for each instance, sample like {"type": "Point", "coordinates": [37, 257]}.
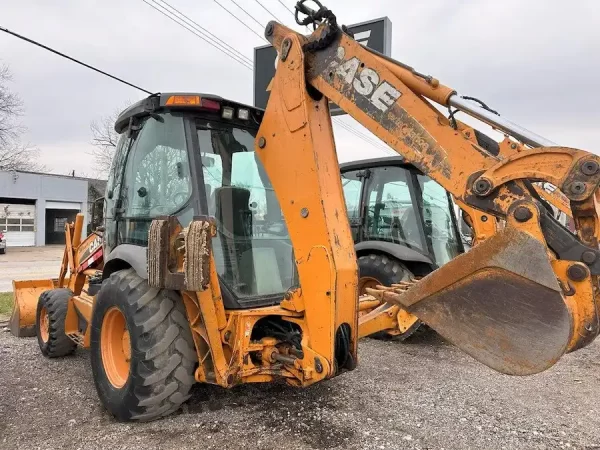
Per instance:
{"type": "Point", "coordinates": [398, 251]}
{"type": "Point", "coordinates": [124, 256]}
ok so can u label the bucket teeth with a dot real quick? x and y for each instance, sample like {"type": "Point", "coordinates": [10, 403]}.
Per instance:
{"type": "Point", "coordinates": [390, 292]}
{"type": "Point", "coordinates": [378, 294]}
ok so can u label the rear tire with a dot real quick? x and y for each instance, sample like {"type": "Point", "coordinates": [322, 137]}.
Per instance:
{"type": "Point", "coordinates": [162, 358]}
{"type": "Point", "coordinates": [50, 323]}
{"type": "Point", "coordinates": [2, 251]}
{"type": "Point", "coordinates": [384, 270]}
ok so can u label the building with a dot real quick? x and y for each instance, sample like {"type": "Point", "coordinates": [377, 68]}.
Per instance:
{"type": "Point", "coordinates": [34, 207]}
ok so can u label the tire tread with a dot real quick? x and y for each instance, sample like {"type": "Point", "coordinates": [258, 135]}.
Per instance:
{"type": "Point", "coordinates": [56, 302]}
{"type": "Point", "coordinates": [163, 373]}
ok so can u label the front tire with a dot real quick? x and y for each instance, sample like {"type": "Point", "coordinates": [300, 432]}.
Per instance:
{"type": "Point", "coordinates": [142, 352]}
{"type": "Point", "coordinates": [50, 323]}
{"type": "Point", "coordinates": [376, 269]}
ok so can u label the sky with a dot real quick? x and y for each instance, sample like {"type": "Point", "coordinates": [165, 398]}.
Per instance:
{"type": "Point", "coordinates": [536, 61]}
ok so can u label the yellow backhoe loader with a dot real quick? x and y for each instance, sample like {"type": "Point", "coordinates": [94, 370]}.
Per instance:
{"type": "Point", "coordinates": [227, 252]}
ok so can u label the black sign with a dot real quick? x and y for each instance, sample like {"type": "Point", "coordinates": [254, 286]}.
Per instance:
{"type": "Point", "coordinates": [375, 34]}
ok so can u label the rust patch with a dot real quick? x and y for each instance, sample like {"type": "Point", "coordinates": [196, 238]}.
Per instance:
{"type": "Point", "coordinates": [336, 240]}
{"type": "Point", "coordinates": [395, 120]}
{"type": "Point", "coordinates": [413, 134]}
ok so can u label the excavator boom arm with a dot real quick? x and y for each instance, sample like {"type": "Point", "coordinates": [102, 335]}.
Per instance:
{"type": "Point", "coordinates": [533, 280]}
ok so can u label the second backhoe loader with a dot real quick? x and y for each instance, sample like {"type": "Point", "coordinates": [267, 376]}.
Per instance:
{"type": "Point", "coordinates": [227, 252]}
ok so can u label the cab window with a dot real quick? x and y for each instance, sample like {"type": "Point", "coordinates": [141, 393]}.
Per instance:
{"type": "Point", "coordinates": [438, 214]}
{"type": "Point", "coordinates": [253, 253]}
{"type": "Point", "coordinates": [352, 187]}
{"type": "Point", "coordinates": [391, 215]}
{"type": "Point", "coordinates": [157, 176]}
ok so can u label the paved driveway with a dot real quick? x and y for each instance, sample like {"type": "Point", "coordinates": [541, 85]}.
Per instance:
{"type": "Point", "coordinates": [24, 263]}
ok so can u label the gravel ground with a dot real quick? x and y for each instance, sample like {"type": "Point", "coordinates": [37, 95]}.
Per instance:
{"type": "Point", "coordinates": [425, 394]}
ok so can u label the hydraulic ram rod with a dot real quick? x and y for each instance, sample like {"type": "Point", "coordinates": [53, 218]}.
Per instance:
{"type": "Point", "coordinates": [431, 88]}
{"type": "Point", "coordinates": [522, 134]}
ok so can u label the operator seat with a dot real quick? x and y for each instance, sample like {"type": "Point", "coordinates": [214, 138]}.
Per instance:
{"type": "Point", "coordinates": [406, 229]}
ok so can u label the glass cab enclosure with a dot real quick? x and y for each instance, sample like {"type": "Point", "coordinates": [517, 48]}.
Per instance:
{"type": "Point", "coordinates": [196, 161]}
{"type": "Point", "coordinates": [393, 202]}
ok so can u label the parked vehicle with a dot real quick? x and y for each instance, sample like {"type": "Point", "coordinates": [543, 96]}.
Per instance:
{"type": "Point", "coordinates": [2, 243]}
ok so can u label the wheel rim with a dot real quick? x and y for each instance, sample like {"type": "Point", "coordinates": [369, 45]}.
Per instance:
{"type": "Point", "coordinates": [367, 282]}
{"type": "Point", "coordinates": [44, 325]}
{"type": "Point", "coordinates": [115, 347]}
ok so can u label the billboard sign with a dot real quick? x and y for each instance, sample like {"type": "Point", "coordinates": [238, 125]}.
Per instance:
{"type": "Point", "coordinates": [375, 34]}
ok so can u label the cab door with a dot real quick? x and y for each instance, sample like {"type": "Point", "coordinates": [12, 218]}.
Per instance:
{"type": "Point", "coordinates": [353, 186]}
{"type": "Point", "coordinates": [112, 202]}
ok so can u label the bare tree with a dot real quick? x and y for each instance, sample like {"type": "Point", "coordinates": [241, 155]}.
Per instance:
{"type": "Point", "coordinates": [14, 155]}
{"type": "Point", "coordinates": [18, 156]}
{"type": "Point", "coordinates": [104, 139]}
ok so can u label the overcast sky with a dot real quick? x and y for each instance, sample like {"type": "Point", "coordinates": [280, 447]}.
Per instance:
{"type": "Point", "coordinates": [535, 61]}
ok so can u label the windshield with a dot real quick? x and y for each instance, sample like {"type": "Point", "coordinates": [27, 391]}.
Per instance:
{"type": "Point", "coordinates": [253, 252]}
{"type": "Point", "coordinates": [150, 177]}
{"type": "Point", "coordinates": [157, 172]}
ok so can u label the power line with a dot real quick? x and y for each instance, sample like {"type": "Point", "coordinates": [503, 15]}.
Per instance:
{"type": "Point", "coordinates": [267, 10]}
{"type": "Point", "coordinates": [361, 135]}
{"type": "Point", "coordinates": [183, 17]}
{"type": "Point", "coordinates": [248, 14]}
{"type": "Point", "coordinates": [174, 17]}
{"type": "Point", "coordinates": [56, 52]}
{"type": "Point", "coordinates": [205, 31]}
{"type": "Point", "coordinates": [347, 127]}
{"type": "Point", "coordinates": [364, 137]}
{"type": "Point", "coordinates": [293, 14]}
{"type": "Point", "coordinates": [240, 20]}
{"type": "Point", "coordinates": [286, 7]}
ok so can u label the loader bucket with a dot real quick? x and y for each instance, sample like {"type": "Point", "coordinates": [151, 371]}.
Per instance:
{"type": "Point", "coordinates": [26, 294]}
{"type": "Point", "coordinates": [500, 303]}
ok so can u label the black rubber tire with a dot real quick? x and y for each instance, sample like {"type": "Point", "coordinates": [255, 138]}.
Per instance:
{"type": "Point", "coordinates": [163, 355]}
{"type": "Point", "coordinates": [2, 251]}
{"type": "Point", "coordinates": [55, 301]}
{"type": "Point", "coordinates": [387, 270]}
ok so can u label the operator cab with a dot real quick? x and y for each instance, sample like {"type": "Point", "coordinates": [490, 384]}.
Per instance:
{"type": "Point", "coordinates": [391, 204]}
{"type": "Point", "coordinates": [186, 155]}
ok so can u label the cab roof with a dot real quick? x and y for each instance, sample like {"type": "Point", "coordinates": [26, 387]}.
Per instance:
{"type": "Point", "coordinates": [155, 103]}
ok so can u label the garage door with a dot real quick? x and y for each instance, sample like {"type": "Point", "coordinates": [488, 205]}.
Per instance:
{"type": "Point", "coordinates": [63, 205]}
{"type": "Point", "coordinates": [19, 223]}
{"type": "Point", "coordinates": [58, 214]}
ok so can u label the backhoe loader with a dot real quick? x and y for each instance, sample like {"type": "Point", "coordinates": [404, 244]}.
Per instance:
{"type": "Point", "coordinates": [227, 255]}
